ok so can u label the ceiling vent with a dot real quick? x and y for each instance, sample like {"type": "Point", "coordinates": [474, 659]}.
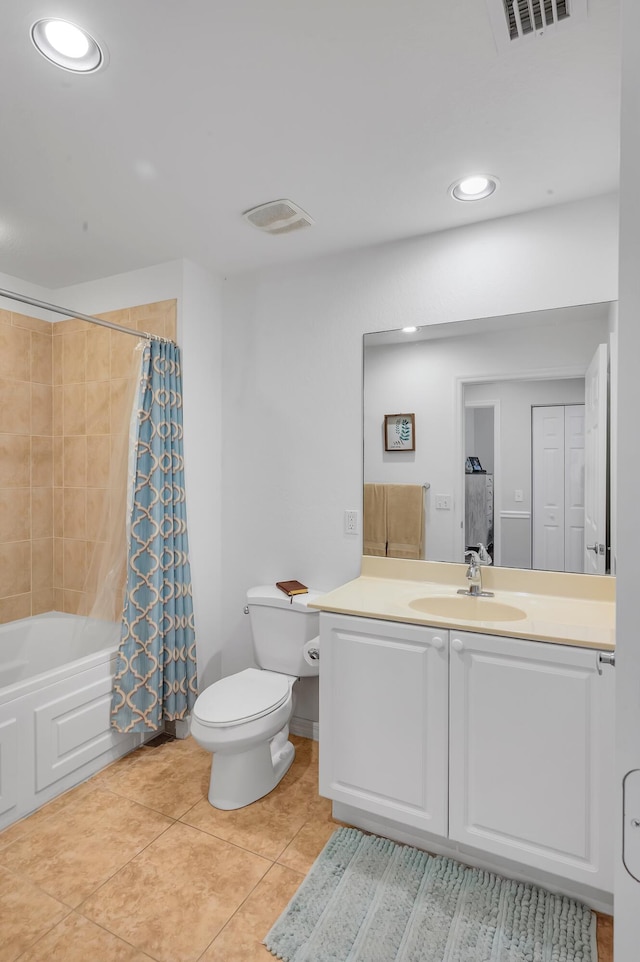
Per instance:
{"type": "Point", "coordinates": [278, 217]}
{"type": "Point", "coordinates": [515, 21]}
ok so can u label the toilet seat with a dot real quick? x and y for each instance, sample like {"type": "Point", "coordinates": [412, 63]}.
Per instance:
{"type": "Point", "coordinates": [241, 698]}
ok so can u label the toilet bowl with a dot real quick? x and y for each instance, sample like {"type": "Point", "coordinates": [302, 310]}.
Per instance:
{"type": "Point", "coordinates": [243, 719]}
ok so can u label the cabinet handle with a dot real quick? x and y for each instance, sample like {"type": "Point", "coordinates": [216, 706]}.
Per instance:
{"type": "Point", "coordinates": [457, 645]}
{"type": "Point", "coordinates": [437, 642]}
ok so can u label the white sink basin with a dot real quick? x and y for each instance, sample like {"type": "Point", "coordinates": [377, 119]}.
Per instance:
{"type": "Point", "coordinates": [467, 608]}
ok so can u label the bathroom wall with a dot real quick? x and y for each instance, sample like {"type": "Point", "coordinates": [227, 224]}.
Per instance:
{"type": "Point", "coordinates": [292, 376]}
{"type": "Point", "coordinates": [26, 481]}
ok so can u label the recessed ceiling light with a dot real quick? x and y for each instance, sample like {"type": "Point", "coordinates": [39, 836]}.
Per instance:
{"type": "Point", "coordinates": [68, 46]}
{"type": "Point", "coordinates": [409, 330]}
{"type": "Point", "coordinates": [474, 187]}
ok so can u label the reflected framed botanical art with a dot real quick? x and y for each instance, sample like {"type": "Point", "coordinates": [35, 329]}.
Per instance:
{"type": "Point", "coordinates": [399, 432]}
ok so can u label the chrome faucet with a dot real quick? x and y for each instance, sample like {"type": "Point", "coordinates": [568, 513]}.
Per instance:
{"type": "Point", "coordinates": [474, 574]}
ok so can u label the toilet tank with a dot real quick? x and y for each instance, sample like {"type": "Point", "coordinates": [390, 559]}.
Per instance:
{"type": "Point", "coordinates": [281, 626]}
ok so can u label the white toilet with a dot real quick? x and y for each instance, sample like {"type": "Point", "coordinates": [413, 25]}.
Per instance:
{"type": "Point", "coordinates": [244, 718]}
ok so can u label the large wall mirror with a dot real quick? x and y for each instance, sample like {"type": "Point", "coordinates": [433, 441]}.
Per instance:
{"type": "Point", "coordinates": [509, 444]}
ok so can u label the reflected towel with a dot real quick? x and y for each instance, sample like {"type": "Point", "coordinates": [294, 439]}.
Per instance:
{"type": "Point", "coordinates": [405, 521]}
{"type": "Point", "coordinates": [374, 520]}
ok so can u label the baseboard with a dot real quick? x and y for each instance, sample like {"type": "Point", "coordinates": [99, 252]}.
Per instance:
{"type": "Point", "coordinates": [594, 898]}
{"type": "Point", "coordinates": [305, 728]}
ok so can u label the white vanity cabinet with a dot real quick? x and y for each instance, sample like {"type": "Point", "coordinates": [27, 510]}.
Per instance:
{"type": "Point", "coordinates": [384, 718]}
{"type": "Point", "coordinates": [531, 752]}
{"type": "Point", "coordinates": [497, 745]}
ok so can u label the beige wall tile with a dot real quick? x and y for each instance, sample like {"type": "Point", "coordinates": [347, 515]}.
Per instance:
{"type": "Point", "coordinates": [70, 326]}
{"type": "Point", "coordinates": [41, 512]}
{"type": "Point", "coordinates": [121, 400]}
{"type": "Point", "coordinates": [74, 564]}
{"type": "Point", "coordinates": [15, 461]}
{"type": "Point", "coordinates": [12, 609]}
{"type": "Point", "coordinates": [156, 309]}
{"type": "Point", "coordinates": [15, 568]}
{"type": "Point", "coordinates": [98, 461]}
{"type": "Point", "coordinates": [72, 602]}
{"type": "Point", "coordinates": [58, 512]}
{"type": "Point", "coordinates": [31, 323]}
{"type": "Point", "coordinates": [42, 357]}
{"type": "Point", "coordinates": [98, 407]}
{"type": "Point", "coordinates": [122, 354]}
{"type": "Point", "coordinates": [58, 599]}
{"type": "Point", "coordinates": [58, 566]}
{"type": "Point", "coordinates": [58, 410]}
{"type": "Point", "coordinates": [58, 461]}
{"type": "Point", "coordinates": [15, 406]}
{"type": "Point", "coordinates": [41, 408]}
{"type": "Point", "coordinates": [98, 354]}
{"type": "Point", "coordinates": [57, 374]}
{"type": "Point", "coordinates": [15, 519]}
{"type": "Point", "coordinates": [74, 419]}
{"type": "Point", "coordinates": [74, 357]}
{"type": "Point", "coordinates": [98, 514]}
{"type": "Point", "coordinates": [15, 353]}
{"type": "Point", "coordinates": [42, 564]}
{"type": "Point", "coordinates": [121, 317]}
{"type": "Point", "coordinates": [42, 601]}
{"type": "Point", "coordinates": [74, 454]}
{"type": "Point", "coordinates": [75, 514]}
{"type": "Point", "coordinates": [5, 317]}
{"type": "Point", "coordinates": [41, 462]}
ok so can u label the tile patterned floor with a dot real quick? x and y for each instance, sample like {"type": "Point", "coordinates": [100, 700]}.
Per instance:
{"type": "Point", "coordinates": [136, 866]}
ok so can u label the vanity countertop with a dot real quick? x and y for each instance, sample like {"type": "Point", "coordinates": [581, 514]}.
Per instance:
{"type": "Point", "coordinates": [567, 609]}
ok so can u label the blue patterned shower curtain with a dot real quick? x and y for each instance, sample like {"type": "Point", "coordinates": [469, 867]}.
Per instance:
{"type": "Point", "coordinates": [155, 677]}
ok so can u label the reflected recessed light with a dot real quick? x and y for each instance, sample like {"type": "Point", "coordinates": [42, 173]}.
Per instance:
{"type": "Point", "coordinates": [409, 330]}
{"type": "Point", "coordinates": [68, 46]}
{"type": "Point", "coordinates": [475, 187]}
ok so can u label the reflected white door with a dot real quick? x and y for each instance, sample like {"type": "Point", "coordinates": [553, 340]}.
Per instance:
{"type": "Point", "coordinates": [548, 488]}
{"type": "Point", "coordinates": [574, 416]}
{"type": "Point", "coordinates": [595, 504]}
{"type": "Point", "coordinates": [558, 487]}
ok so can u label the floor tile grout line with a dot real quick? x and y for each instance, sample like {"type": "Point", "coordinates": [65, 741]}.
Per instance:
{"type": "Point", "coordinates": [101, 885]}
{"type": "Point", "coordinates": [245, 899]}
{"type": "Point", "coordinates": [32, 945]}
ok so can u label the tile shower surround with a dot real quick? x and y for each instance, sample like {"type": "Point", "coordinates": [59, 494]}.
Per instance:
{"type": "Point", "coordinates": [136, 866]}
{"type": "Point", "coordinates": [63, 388]}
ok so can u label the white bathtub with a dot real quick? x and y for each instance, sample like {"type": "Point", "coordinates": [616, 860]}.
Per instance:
{"type": "Point", "coordinates": [56, 672]}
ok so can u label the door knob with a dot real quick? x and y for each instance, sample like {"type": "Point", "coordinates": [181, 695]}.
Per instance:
{"type": "Point", "coordinates": [457, 645]}
{"type": "Point", "coordinates": [592, 547]}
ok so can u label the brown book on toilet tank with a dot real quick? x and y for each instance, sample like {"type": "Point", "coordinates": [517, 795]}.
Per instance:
{"type": "Point", "coordinates": [292, 587]}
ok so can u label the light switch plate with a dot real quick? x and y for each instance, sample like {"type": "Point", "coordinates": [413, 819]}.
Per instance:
{"type": "Point", "coordinates": [443, 502]}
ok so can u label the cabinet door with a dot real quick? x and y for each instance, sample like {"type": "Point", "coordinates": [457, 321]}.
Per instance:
{"type": "Point", "coordinates": [531, 747]}
{"type": "Point", "coordinates": [383, 718]}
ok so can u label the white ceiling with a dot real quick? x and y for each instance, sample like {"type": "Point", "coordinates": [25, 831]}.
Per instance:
{"type": "Point", "coordinates": [360, 111]}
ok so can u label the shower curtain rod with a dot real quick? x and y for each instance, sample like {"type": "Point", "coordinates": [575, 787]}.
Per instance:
{"type": "Point", "coordinates": [13, 296]}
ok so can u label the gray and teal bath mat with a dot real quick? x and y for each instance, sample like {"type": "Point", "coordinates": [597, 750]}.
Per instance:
{"type": "Point", "coordinates": [367, 899]}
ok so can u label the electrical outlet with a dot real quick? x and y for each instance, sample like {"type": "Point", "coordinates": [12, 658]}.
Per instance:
{"type": "Point", "coordinates": [351, 522]}
{"type": "Point", "coordinates": [518, 495]}
{"type": "Point", "coordinates": [443, 502]}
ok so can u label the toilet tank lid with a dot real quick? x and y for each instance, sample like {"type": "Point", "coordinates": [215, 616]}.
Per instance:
{"type": "Point", "coordinates": [272, 597]}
